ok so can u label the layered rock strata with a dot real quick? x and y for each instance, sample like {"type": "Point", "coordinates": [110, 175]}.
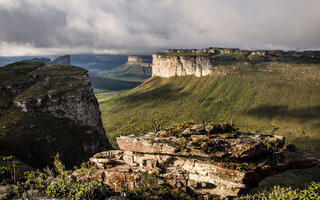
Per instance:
{"type": "Point", "coordinates": [203, 62]}
{"type": "Point", "coordinates": [48, 110]}
{"type": "Point", "coordinates": [143, 61]}
{"type": "Point", "coordinates": [181, 66]}
{"type": "Point", "coordinates": [205, 161]}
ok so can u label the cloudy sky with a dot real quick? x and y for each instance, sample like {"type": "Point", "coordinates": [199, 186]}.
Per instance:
{"type": "Point", "coordinates": [40, 27]}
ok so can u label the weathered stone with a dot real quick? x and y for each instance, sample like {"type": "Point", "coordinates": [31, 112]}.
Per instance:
{"type": "Point", "coordinates": [6, 191]}
{"type": "Point", "coordinates": [139, 60]}
{"type": "Point", "coordinates": [33, 194]}
{"type": "Point", "coordinates": [230, 170]}
{"type": "Point", "coordinates": [57, 110]}
{"type": "Point", "coordinates": [203, 62]}
{"type": "Point", "coordinates": [181, 66]}
{"type": "Point", "coordinates": [225, 146]}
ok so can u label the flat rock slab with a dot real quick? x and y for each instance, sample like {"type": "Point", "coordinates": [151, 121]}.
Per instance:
{"type": "Point", "coordinates": [223, 146]}
{"type": "Point", "coordinates": [202, 176]}
{"type": "Point", "coordinates": [198, 158]}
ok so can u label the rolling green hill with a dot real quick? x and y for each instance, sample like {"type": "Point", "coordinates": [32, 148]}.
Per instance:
{"type": "Point", "coordinates": [103, 84]}
{"type": "Point", "coordinates": [272, 98]}
{"type": "Point", "coordinates": [128, 72]}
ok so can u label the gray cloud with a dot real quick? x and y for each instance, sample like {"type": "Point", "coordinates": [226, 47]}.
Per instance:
{"type": "Point", "coordinates": [145, 26]}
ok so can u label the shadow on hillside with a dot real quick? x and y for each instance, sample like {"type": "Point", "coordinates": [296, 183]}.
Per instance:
{"type": "Point", "coordinates": [104, 83]}
{"type": "Point", "coordinates": [266, 111]}
{"type": "Point", "coordinates": [165, 92]}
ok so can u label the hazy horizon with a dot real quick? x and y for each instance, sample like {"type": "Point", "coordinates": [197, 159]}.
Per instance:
{"type": "Point", "coordinates": [35, 27]}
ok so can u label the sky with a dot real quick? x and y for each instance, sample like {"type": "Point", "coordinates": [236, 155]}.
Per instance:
{"type": "Point", "coordinates": [43, 27]}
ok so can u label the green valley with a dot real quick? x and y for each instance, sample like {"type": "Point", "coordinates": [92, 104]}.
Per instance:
{"type": "Point", "coordinates": [271, 98]}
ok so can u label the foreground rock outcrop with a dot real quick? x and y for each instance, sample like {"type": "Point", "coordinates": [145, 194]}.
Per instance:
{"type": "Point", "coordinates": [203, 62]}
{"type": "Point", "coordinates": [46, 110]}
{"type": "Point", "coordinates": [211, 159]}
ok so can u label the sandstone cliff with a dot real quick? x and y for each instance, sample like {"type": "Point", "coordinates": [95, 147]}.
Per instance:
{"type": "Point", "coordinates": [49, 109]}
{"type": "Point", "coordinates": [181, 66]}
{"type": "Point", "coordinates": [137, 69]}
{"type": "Point", "coordinates": [213, 61]}
{"type": "Point", "coordinates": [212, 159]}
{"type": "Point", "coordinates": [143, 61]}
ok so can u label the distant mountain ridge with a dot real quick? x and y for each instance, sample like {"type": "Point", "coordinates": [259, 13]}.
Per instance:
{"type": "Point", "coordinates": [63, 60]}
{"type": "Point", "coordinates": [137, 68]}
{"type": "Point", "coordinates": [144, 61]}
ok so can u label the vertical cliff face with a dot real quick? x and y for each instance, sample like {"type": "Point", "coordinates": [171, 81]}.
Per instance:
{"type": "Point", "coordinates": [59, 105]}
{"type": "Point", "coordinates": [143, 61]}
{"type": "Point", "coordinates": [213, 61]}
{"type": "Point", "coordinates": [181, 65]}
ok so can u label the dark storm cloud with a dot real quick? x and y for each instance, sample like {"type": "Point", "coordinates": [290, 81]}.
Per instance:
{"type": "Point", "coordinates": [137, 26]}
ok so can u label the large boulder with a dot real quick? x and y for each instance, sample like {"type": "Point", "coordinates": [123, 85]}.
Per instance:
{"type": "Point", "coordinates": [216, 160]}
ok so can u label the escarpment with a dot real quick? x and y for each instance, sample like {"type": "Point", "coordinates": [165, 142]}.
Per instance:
{"type": "Point", "coordinates": [47, 110]}
{"type": "Point", "coordinates": [212, 159]}
{"type": "Point", "coordinates": [143, 61]}
{"type": "Point", "coordinates": [220, 61]}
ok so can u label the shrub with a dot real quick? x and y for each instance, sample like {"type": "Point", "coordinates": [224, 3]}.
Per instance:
{"type": "Point", "coordinates": [84, 190]}
{"type": "Point", "coordinates": [8, 170]}
{"type": "Point", "coordinates": [86, 168]}
{"type": "Point", "coordinates": [60, 168]}
{"type": "Point", "coordinates": [312, 192]}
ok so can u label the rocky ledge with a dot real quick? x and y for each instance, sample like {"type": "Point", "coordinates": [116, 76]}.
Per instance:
{"type": "Point", "coordinates": [47, 110]}
{"type": "Point", "coordinates": [212, 159]}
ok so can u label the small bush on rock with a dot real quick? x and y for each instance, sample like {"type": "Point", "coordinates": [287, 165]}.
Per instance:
{"type": "Point", "coordinates": [84, 190]}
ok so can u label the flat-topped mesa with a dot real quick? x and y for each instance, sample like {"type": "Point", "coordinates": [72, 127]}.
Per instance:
{"type": "Point", "coordinates": [203, 62]}
{"type": "Point", "coordinates": [139, 60]}
{"type": "Point", "coordinates": [213, 159]}
{"type": "Point", "coordinates": [62, 60]}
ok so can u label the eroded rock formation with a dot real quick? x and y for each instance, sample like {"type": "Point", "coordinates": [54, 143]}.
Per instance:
{"type": "Point", "coordinates": [203, 62]}
{"type": "Point", "coordinates": [139, 60]}
{"type": "Point", "coordinates": [47, 110]}
{"type": "Point", "coordinates": [181, 66]}
{"type": "Point", "coordinates": [215, 160]}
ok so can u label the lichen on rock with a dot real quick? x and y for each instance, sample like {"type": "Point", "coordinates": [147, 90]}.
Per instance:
{"type": "Point", "coordinates": [205, 159]}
